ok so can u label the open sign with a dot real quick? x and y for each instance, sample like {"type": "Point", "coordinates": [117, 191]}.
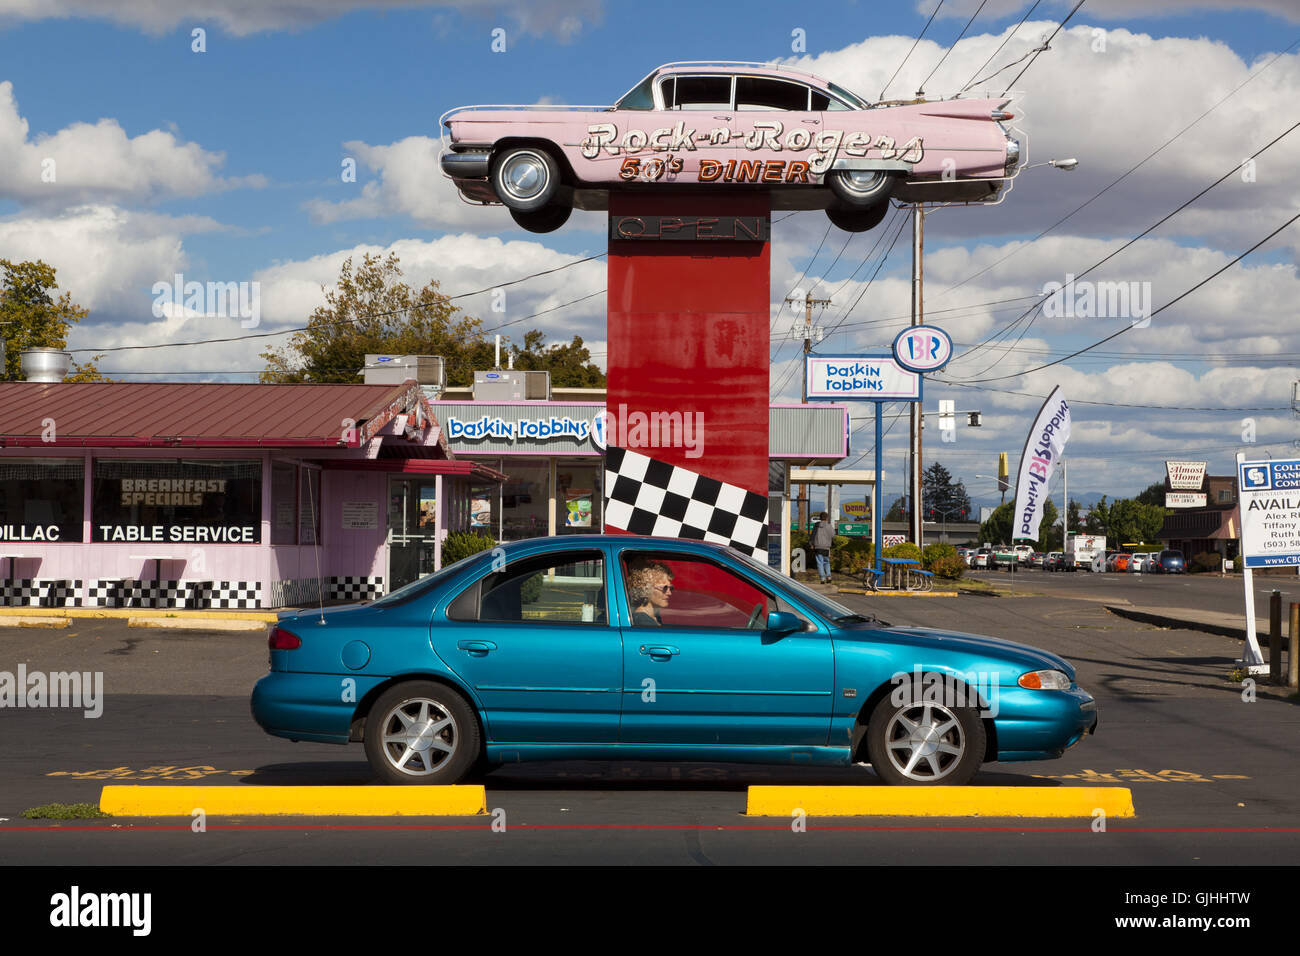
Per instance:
{"type": "Point", "coordinates": [922, 348]}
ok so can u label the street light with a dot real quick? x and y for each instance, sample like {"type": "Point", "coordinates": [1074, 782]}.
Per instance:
{"type": "Point", "coordinates": [1066, 164]}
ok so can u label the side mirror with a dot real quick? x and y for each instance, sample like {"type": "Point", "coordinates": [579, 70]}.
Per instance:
{"type": "Point", "coordinates": [783, 622]}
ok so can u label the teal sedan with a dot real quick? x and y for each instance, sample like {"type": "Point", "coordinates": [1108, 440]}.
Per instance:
{"type": "Point", "coordinates": [614, 647]}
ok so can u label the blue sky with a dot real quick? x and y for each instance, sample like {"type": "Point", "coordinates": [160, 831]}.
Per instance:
{"type": "Point", "coordinates": [284, 104]}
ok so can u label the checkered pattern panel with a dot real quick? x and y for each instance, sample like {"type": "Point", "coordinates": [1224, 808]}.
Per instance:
{"type": "Point", "coordinates": [356, 588]}
{"type": "Point", "coordinates": [112, 592]}
{"type": "Point", "coordinates": [651, 497]}
{"type": "Point", "coordinates": [295, 592]}
{"type": "Point", "coordinates": [35, 592]}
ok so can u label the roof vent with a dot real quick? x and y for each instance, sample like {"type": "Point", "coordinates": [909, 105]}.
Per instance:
{"type": "Point", "coordinates": [428, 370]}
{"type": "Point", "coordinates": [45, 365]}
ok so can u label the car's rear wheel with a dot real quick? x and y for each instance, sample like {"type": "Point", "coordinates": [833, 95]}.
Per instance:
{"type": "Point", "coordinates": [548, 219]}
{"type": "Point", "coordinates": [525, 178]}
{"type": "Point", "coordinates": [857, 220]}
{"type": "Point", "coordinates": [860, 188]}
{"type": "Point", "coordinates": [421, 732]}
{"type": "Point", "coordinates": [915, 743]}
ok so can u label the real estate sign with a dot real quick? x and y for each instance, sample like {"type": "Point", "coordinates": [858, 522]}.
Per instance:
{"type": "Point", "coordinates": [1270, 512]}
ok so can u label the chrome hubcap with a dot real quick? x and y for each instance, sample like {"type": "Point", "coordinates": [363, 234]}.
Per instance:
{"type": "Point", "coordinates": [419, 736]}
{"type": "Point", "coordinates": [524, 175]}
{"type": "Point", "coordinates": [925, 741]}
{"type": "Point", "coordinates": [865, 180]}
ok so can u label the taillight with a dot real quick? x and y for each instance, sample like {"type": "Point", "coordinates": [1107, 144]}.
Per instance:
{"type": "Point", "coordinates": [282, 640]}
{"type": "Point", "coordinates": [1001, 115]}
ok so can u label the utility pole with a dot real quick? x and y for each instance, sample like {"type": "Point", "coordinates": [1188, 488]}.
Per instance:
{"type": "Point", "coordinates": [809, 333]}
{"type": "Point", "coordinates": [918, 318]}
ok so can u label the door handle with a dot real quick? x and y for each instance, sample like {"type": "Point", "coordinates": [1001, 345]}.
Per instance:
{"type": "Point", "coordinates": [722, 117]}
{"type": "Point", "coordinates": [659, 652]}
{"type": "Point", "coordinates": [476, 647]}
{"type": "Point", "coordinates": [812, 122]}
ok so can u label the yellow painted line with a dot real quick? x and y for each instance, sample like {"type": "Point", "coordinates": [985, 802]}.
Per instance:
{"type": "Point", "coordinates": [356, 801]}
{"type": "Point", "coordinates": [268, 616]}
{"type": "Point", "coordinates": [884, 801]}
{"type": "Point", "coordinates": [196, 623]}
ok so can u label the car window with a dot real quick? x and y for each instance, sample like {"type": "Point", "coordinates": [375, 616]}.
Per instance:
{"type": "Point", "coordinates": [696, 92]}
{"type": "Point", "coordinates": [760, 93]}
{"type": "Point", "coordinates": [566, 588]}
{"type": "Point", "coordinates": [640, 97]}
{"type": "Point", "coordinates": [665, 590]}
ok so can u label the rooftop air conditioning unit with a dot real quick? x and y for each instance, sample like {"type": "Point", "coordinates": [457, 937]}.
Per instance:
{"type": "Point", "coordinates": [512, 385]}
{"type": "Point", "coordinates": [44, 365]}
{"type": "Point", "coordinates": [428, 370]}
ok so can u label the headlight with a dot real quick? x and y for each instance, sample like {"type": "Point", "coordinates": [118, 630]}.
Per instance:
{"type": "Point", "coordinates": [1044, 680]}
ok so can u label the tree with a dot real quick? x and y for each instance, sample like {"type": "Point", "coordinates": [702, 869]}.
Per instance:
{"type": "Point", "coordinates": [372, 310]}
{"type": "Point", "coordinates": [940, 494]}
{"type": "Point", "coordinates": [997, 530]}
{"type": "Point", "coordinates": [897, 511]}
{"type": "Point", "coordinates": [32, 318]}
{"type": "Point", "coordinates": [1152, 494]}
{"type": "Point", "coordinates": [1126, 520]}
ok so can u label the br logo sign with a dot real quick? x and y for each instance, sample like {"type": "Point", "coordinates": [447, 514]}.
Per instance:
{"type": "Point", "coordinates": [922, 348]}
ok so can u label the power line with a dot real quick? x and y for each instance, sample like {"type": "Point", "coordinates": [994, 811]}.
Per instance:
{"type": "Point", "coordinates": [909, 52]}
{"type": "Point", "coordinates": [1004, 42]}
{"type": "Point", "coordinates": [1130, 242]}
{"type": "Point", "coordinates": [954, 44]}
{"type": "Point", "coordinates": [1127, 328]}
{"type": "Point", "coordinates": [1047, 45]}
{"type": "Point", "coordinates": [1123, 175]}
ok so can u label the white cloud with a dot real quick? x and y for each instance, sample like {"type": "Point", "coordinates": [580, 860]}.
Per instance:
{"type": "Point", "coordinates": [1113, 9]}
{"type": "Point", "coordinates": [99, 162]}
{"type": "Point", "coordinates": [563, 19]}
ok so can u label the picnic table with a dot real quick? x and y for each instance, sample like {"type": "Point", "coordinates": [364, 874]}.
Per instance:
{"type": "Point", "coordinates": [899, 574]}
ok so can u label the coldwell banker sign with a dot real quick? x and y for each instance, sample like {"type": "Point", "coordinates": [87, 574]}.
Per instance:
{"type": "Point", "coordinates": [1270, 512]}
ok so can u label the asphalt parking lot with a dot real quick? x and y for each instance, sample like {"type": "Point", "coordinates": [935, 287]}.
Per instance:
{"type": "Point", "coordinates": [1215, 779]}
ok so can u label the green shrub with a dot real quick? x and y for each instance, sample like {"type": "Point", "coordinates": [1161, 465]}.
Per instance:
{"type": "Point", "coordinates": [904, 550]}
{"type": "Point", "coordinates": [1206, 561]}
{"type": "Point", "coordinates": [948, 566]}
{"type": "Point", "coordinates": [461, 544]}
{"type": "Point", "coordinates": [934, 552]}
{"type": "Point", "coordinates": [530, 589]}
{"type": "Point", "coordinates": [854, 557]}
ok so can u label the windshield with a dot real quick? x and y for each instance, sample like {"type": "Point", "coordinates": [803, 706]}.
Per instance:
{"type": "Point", "coordinates": [640, 97]}
{"type": "Point", "coordinates": [831, 610]}
{"type": "Point", "coordinates": [852, 98]}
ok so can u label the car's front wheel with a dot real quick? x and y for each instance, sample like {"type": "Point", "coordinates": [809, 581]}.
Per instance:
{"type": "Point", "coordinates": [860, 188]}
{"type": "Point", "coordinates": [421, 732]}
{"type": "Point", "coordinates": [914, 742]}
{"type": "Point", "coordinates": [525, 178]}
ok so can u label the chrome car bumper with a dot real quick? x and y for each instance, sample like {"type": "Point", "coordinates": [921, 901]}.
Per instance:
{"type": "Point", "coordinates": [466, 164]}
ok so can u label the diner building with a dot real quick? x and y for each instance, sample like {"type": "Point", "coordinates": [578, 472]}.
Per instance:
{"type": "Point", "coordinates": [223, 495]}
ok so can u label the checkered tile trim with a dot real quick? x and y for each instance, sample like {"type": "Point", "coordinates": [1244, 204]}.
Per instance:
{"type": "Point", "coordinates": [651, 497]}
{"type": "Point", "coordinates": [110, 592]}
{"type": "Point", "coordinates": [295, 592]}
{"type": "Point", "coordinates": [356, 589]}
{"type": "Point", "coordinates": [37, 592]}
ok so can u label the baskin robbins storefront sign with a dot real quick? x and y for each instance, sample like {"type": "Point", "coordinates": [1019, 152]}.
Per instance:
{"type": "Point", "coordinates": [522, 430]}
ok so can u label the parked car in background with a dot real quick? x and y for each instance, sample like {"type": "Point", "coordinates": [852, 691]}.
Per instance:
{"type": "Point", "coordinates": [1055, 561]}
{"type": "Point", "coordinates": [737, 127]}
{"type": "Point", "coordinates": [540, 651]}
{"type": "Point", "coordinates": [1111, 558]}
{"type": "Point", "coordinates": [983, 558]}
{"type": "Point", "coordinates": [1122, 561]}
{"type": "Point", "coordinates": [1023, 553]}
{"type": "Point", "coordinates": [1169, 561]}
{"type": "Point", "coordinates": [1036, 559]}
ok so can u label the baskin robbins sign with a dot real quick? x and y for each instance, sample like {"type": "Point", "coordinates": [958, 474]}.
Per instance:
{"type": "Point", "coordinates": [869, 377]}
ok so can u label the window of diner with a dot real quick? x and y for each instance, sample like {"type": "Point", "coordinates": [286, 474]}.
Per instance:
{"type": "Point", "coordinates": [41, 499]}
{"type": "Point", "coordinates": [284, 503]}
{"type": "Point", "coordinates": [309, 508]}
{"type": "Point", "coordinates": [578, 497]}
{"type": "Point", "coordinates": [485, 505]}
{"type": "Point", "coordinates": [525, 497]}
{"type": "Point", "coordinates": [176, 500]}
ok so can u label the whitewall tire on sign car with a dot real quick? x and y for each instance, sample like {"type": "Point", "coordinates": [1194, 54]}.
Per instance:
{"type": "Point", "coordinates": [526, 178]}
{"type": "Point", "coordinates": [860, 188]}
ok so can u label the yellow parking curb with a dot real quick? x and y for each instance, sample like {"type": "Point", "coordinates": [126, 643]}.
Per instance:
{"type": "Point", "coordinates": [356, 801]}
{"type": "Point", "coordinates": [940, 801]}
{"type": "Point", "coordinates": [103, 612]}
{"type": "Point", "coordinates": [919, 594]}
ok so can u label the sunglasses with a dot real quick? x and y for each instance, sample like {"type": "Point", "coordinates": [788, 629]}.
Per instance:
{"type": "Point", "coordinates": [664, 588]}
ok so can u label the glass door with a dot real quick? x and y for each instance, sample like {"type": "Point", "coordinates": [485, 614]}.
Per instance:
{"type": "Point", "coordinates": [412, 516]}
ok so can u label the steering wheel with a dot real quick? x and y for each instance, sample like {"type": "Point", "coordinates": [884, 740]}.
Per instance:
{"type": "Point", "coordinates": [754, 617]}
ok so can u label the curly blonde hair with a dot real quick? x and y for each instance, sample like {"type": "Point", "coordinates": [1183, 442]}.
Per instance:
{"type": "Point", "coordinates": [641, 577]}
